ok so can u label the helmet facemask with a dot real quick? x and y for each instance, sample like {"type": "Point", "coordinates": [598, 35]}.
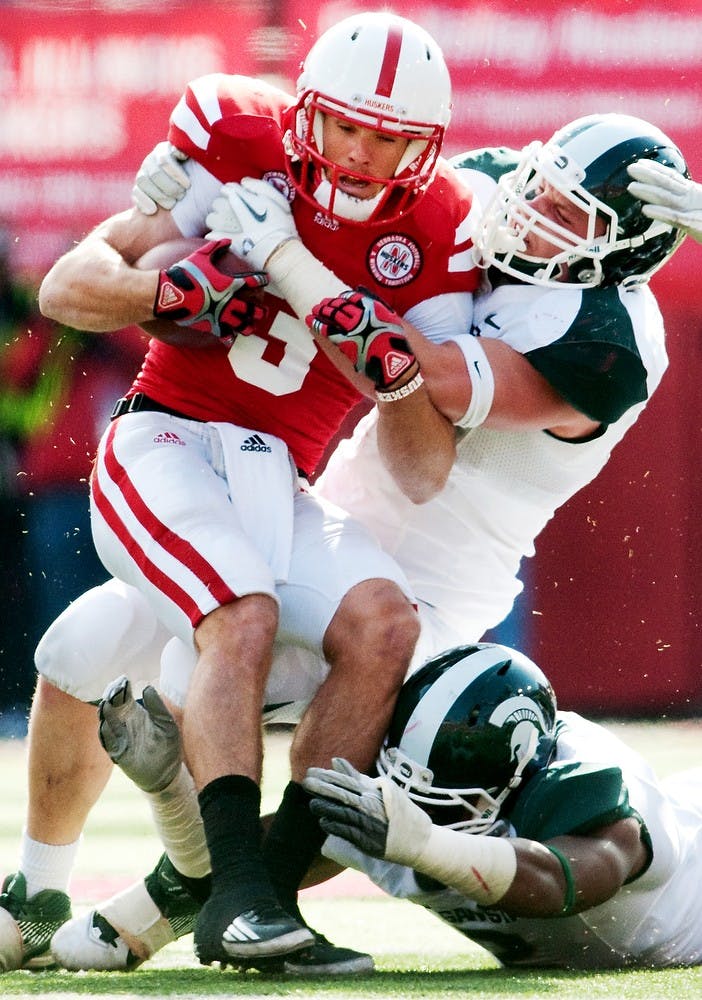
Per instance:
{"type": "Point", "coordinates": [316, 177]}
{"type": "Point", "coordinates": [476, 810]}
{"type": "Point", "coordinates": [630, 249]}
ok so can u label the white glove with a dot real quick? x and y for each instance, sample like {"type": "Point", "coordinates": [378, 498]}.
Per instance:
{"type": "Point", "coordinates": [255, 216]}
{"type": "Point", "coordinates": [160, 180]}
{"type": "Point", "coordinates": [141, 738]}
{"type": "Point", "coordinates": [671, 197]}
{"type": "Point", "coordinates": [373, 814]}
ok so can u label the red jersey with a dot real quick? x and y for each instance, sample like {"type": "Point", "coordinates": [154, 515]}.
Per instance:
{"type": "Point", "coordinates": [276, 380]}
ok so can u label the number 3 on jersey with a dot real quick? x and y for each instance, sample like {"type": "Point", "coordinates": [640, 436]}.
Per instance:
{"type": "Point", "coordinates": [255, 359]}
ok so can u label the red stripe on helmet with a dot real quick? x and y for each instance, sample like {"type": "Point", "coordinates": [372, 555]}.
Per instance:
{"type": "Point", "coordinates": [388, 71]}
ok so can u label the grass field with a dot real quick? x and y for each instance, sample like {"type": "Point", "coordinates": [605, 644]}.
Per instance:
{"type": "Point", "coordinates": [416, 955]}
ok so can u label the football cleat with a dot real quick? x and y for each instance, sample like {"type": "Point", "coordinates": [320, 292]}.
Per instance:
{"type": "Point", "coordinates": [130, 927]}
{"type": "Point", "coordinates": [27, 925]}
{"type": "Point", "coordinates": [264, 930]}
{"type": "Point", "coordinates": [91, 942]}
{"type": "Point", "coordinates": [326, 959]}
{"type": "Point", "coordinates": [321, 959]}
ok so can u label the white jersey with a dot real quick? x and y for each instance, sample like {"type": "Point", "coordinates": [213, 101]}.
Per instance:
{"type": "Point", "coordinates": [655, 920]}
{"type": "Point", "coordinates": [603, 349]}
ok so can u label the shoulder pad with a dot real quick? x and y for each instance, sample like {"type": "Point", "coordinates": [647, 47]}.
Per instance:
{"type": "Point", "coordinates": [595, 364]}
{"type": "Point", "coordinates": [570, 797]}
{"type": "Point", "coordinates": [492, 160]}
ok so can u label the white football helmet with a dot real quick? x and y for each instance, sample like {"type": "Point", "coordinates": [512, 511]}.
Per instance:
{"type": "Point", "coordinates": [586, 161]}
{"type": "Point", "coordinates": [382, 72]}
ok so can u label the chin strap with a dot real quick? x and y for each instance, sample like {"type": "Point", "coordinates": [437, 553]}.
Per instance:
{"type": "Point", "coordinates": [345, 205]}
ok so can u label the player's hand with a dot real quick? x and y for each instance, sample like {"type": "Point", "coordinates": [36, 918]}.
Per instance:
{"type": "Point", "coordinates": [373, 814]}
{"type": "Point", "coordinates": [671, 197]}
{"type": "Point", "coordinates": [141, 737]}
{"type": "Point", "coordinates": [160, 180]}
{"type": "Point", "coordinates": [194, 293]}
{"type": "Point", "coordinates": [368, 332]}
{"type": "Point", "coordinates": [255, 216]}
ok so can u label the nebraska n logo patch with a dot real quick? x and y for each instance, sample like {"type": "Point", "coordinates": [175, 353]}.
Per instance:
{"type": "Point", "coordinates": [394, 260]}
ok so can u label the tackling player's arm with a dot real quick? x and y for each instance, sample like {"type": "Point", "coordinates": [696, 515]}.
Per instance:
{"type": "Point", "coordinates": [522, 397]}
{"type": "Point", "coordinates": [467, 382]}
{"type": "Point", "coordinates": [569, 874]}
{"type": "Point", "coordinates": [523, 877]}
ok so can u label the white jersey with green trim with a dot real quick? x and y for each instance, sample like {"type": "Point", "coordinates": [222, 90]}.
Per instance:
{"type": "Point", "coordinates": [654, 921]}
{"type": "Point", "coordinates": [603, 349]}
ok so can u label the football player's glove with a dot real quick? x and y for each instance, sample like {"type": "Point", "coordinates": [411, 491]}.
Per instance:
{"type": "Point", "coordinates": [194, 293]}
{"type": "Point", "coordinates": [373, 814]}
{"type": "Point", "coordinates": [671, 197]}
{"type": "Point", "coordinates": [141, 737]}
{"type": "Point", "coordinates": [255, 216]}
{"type": "Point", "coordinates": [160, 181]}
{"type": "Point", "coordinates": [368, 332]}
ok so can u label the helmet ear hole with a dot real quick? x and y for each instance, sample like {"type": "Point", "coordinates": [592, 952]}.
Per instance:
{"type": "Point", "coordinates": [415, 149]}
{"type": "Point", "coordinates": [476, 722]}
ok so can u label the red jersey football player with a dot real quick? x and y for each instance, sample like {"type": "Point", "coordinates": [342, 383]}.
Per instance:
{"type": "Point", "coordinates": [194, 501]}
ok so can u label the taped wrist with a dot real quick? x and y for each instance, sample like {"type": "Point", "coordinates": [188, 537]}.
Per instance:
{"type": "Point", "coordinates": [483, 868]}
{"type": "Point", "coordinates": [300, 278]}
{"type": "Point", "coordinates": [176, 813]}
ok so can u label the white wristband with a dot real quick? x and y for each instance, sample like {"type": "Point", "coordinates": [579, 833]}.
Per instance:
{"type": "Point", "coordinates": [300, 278]}
{"type": "Point", "coordinates": [482, 383]}
{"type": "Point", "coordinates": [483, 868]}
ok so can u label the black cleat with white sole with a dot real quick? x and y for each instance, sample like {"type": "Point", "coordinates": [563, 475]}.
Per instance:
{"type": "Point", "coordinates": [326, 959]}
{"type": "Point", "coordinates": [263, 931]}
{"type": "Point", "coordinates": [320, 959]}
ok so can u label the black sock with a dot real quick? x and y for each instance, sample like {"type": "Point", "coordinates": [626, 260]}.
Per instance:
{"type": "Point", "coordinates": [291, 844]}
{"type": "Point", "coordinates": [199, 888]}
{"type": "Point", "coordinates": [230, 808]}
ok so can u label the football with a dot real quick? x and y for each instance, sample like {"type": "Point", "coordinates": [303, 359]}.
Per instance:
{"type": "Point", "coordinates": [168, 253]}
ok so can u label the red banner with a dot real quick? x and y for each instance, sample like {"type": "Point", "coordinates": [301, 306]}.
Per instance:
{"type": "Point", "coordinates": [85, 96]}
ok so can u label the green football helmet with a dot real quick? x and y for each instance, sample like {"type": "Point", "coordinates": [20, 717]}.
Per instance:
{"type": "Point", "coordinates": [469, 727]}
{"type": "Point", "coordinates": [587, 162]}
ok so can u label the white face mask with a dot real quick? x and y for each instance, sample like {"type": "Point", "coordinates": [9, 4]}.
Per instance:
{"type": "Point", "coordinates": [345, 206]}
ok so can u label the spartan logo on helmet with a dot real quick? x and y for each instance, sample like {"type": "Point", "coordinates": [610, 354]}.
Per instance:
{"type": "Point", "coordinates": [525, 722]}
{"type": "Point", "coordinates": [469, 728]}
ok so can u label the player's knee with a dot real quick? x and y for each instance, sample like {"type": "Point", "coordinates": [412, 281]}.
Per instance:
{"type": "Point", "coordinates": [96, 638]}
{"type": "Point", "coordinates": [251, 620]}
{"type": "Point", "coordinates": [375, 622]}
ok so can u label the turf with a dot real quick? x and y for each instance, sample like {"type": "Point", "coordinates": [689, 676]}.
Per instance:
{"type": "Point", "coordinates": [416, 955]}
